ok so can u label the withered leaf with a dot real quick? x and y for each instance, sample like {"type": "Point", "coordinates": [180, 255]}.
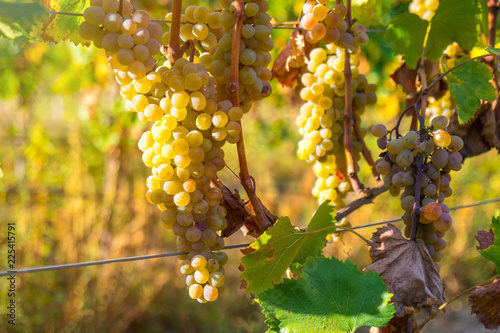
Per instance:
{"type": "Point", "coordinates": [408, 270]}
{"type": "Point", "coordinates": [481, 133]}
{"type": "Point", "coordinates": [237, 212]}
{"type": "Point", "coordinates": [485, 304]}
{"type": "Point", "coordinates": [397, 325]}
{"type": "Point", "coordinates": [406, 77]}
{"type": "Point", "coordinates": [485, 239]}
{"type": "Point", "coordinates": [287, 66]}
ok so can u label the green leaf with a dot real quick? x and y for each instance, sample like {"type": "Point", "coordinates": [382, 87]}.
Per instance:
{"type": "Point", "coordinates": [314, 244]}
{"type": "Point", "coordinates": [455, 21]}
{"type": "Point", "coordinates": [407, 33]}
{"type": "Point", "coordinates": [17, 20]}
{"type": "Point", "coordinates": [469, 85]}
{"type": "Point", "coordinates": [333, 296]}
{"type": "Point", "coordinates": [280, 246]}
{"type": "Point", "coordinates": [59, 27]}
{"type": "Point", "coordinates": [493, 251]}
{"type": "Point", "coordinates": [493, 50]}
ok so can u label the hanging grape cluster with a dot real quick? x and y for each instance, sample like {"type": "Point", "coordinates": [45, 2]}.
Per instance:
{"type": "Point", "coordinates": [440, 152]}
{"type": "Point", "coordinates": [191, 118]}
{"type": "Point", "coordinates": [321, 121]}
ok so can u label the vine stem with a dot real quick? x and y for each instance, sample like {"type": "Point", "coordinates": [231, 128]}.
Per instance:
{"type": "Point", "coordinates": [174, 48]}
{"type": "Point", "coordinates": [435, 313]}
{"type": "Point", "coordinates": [357, 186]}
{"type": "Point", "coordinates": [415, 216]}
{"type": "Point", "coordinates": [246, 180]}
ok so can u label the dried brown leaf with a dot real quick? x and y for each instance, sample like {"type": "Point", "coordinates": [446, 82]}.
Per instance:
{"type": "Point", "coordinates": [481, 133]}
{"type": "Point", "coordinates": [485, 304]}
{"type": "Point", "coordinates": [237, 212]}
{"type": "Point", "coordinates": [485, 239]}
{"type": "Point", "coordinates": [408, 270]}
{"type": "Point", "coordinates": [406, 77]}
{"type": "Point", "coordinates": [291, 59]}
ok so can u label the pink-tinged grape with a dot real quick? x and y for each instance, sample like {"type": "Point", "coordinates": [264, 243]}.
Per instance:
{"type": "Point", "coordinates": [379, 130]}
{"type": "Point", "coordinates": [346, 40]}
{"type": "Point", "coordinates": [318, 31]}
{"type": "Point", "coordinates": [141, 18]}
{"type": "Point", "coordinates": [382, 142]}
{"type": "Point", "coordinates": [440, 158]}
{"type": "Point", "coordinates": [210, 293]}
{"type": "Point", "coordinates": [430, 190]}
{"type": "Point", "coordinates": [439, 122]}
{"type": "Point", "coordinates": [408, 202]}
{"type": "Point", "coordinates": [308, 21]}
{"type": "Point", "coordinates": [456, 143]}
{"type": "Point", "coordinates": [383, 167]}
{"type": "Point", "coordinates": [357, 29]}
{"type": "Point", "coordinates": [443, 223]}
{"type": "Point", "coordinates": [432, 211]}
{"type": "Point", "coordinates": [454, 162]}
{"type": "Point", "coordinates": [441, 138]}
{"type": "Point", "coordinates": [308, 6]}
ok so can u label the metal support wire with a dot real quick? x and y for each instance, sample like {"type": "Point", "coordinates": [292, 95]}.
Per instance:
{"type": "Point", "coordinates": [161, 255]}
{"type": "Point", "coordinates": [103, 262]}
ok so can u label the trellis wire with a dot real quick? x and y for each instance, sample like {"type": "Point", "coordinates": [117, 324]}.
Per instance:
{"type": "Point", "coordinates": [167, 21]}
{"type": "Point", "coordinates": [171, 254]}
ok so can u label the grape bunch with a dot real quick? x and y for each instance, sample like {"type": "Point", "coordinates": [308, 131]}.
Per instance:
{"type": "Point", "coordinates": [330, 26]}
{"type": "Point", "coordinates": [321, 121]}
{"type": "Point", "coordinates": [425, 9]}
{"type": "Point", "coordinates": [255, 45]}
{"type": "Point", "coordinates": [183, 151]}
{"type": "Point", "coordinates": [440, 152]}
{"type": "Point", "coordinates": [129, 38]}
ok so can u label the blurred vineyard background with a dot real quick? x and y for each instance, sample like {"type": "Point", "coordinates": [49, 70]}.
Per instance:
{"type": "Point", "coordinates": [74, 184]}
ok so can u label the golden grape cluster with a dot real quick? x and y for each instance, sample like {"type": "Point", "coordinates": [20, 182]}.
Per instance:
{"type": "Point", "coordinates": [440, 152]}
{"type": "Point", "coordinates": [191, 119]}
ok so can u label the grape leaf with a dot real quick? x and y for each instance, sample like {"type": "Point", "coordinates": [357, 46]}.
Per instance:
{"type": "Point", "coordinates": [492, 251]}
{"type": "Point", "coordinates": [493, 50]}
{"type": "Point", "coordinates": [407, 33]}
{"type": "Point", "coordinates": [314, 244]}
{"type": "Point", "coordinates": [280, 245]}
{"type": "Point", "coordinates": [333, 296]}
{"type": "Point", "coordinates": [455, 21]}
{"type": "Point", "coordinates": [59, 27]}
{"type": "Point", "coordinates": [469, 85]}
{"type": "Point", "coordinates": [17, 20]}
{"type": "Point", "coordinates": [484, 304]}
{"type": "Point", "coordinates": [415, 286]}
